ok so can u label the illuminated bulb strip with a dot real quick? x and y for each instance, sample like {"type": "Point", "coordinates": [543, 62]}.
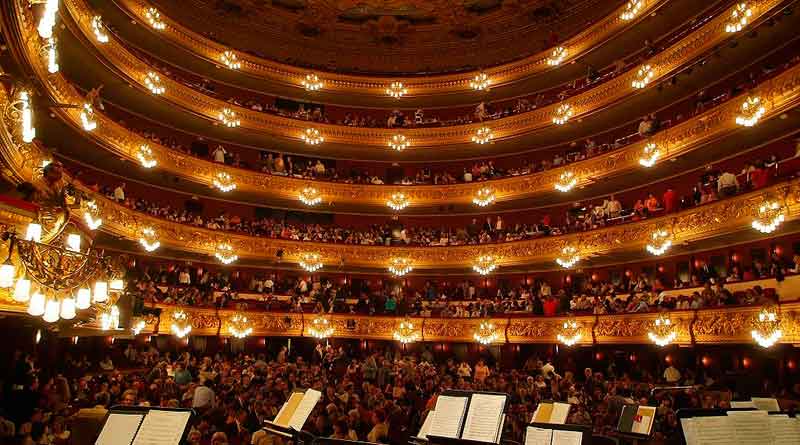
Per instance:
{"type": "Point", "coordinates": [570, 258]}
{"type": "Point", "coordinates": [650, 154]}
{"type": "Point", "coordinates": [396, 90]}
{"type": "Point", "coordinates": [484, 197]}
{"type": "Point", "coordinates": [400, 266]}
{"type": "Point", "coordinates": [398, 142]}
{"type": "Point", "coordinates": [740, 16]}
{"type": "Point", "coordinates": [52, 56]}
{"type": "Point", "coordinates": [91, 215]}
{"type": "Point", "coordinates": [563, 113]}
{"type": "Point", "coordinates": [99, 29]}
{"type": "Point", "coordinates": [153, 83]}
{"type": "Point", "coordinates": [146, 156]}
{"type": "Point", "coordinates": [310, 262]}
{"type": "Point", "coordinates": [632, 9]}
{"type": "Point", "coordinates": [312, 136]}
{"type": "Point", "coordinates": [87, 118]}
{"type": "Point", "coordinates": [485, 265]}
{"type": "Point", "coordinates": [643, 77]}
{"type": "Point", "coordinates": [149, 239]}
{"type": "Point", "coordinates": [154, 19]}
{"type": "Point", "coordinates": [312, 82]}
{"type": "Point", "coordinates": [480, 82]}
{"type": "Point", "coordinates": [557, 56]}
{"type": "Point", "coordinates": [228, 118]}
{"type": "Point", "coordinates": [751, 112]}
{"type": "Point", "coordinates": [28, 130]}
{"type": "Point", "coordinates": [398, 201]}
{"type": "Point", "coordinates": [224, 182]}
{"type": "Point", "coordinates": [483, 135]}
{"type": "Point", "coordinates": [310, 196]}
{"type": "Point", "coordinates": [566, 182]}
{"type": "Point", "coordinates": [48, 20]}
{"type": "Point", "coordinates": [225, 254]}
{"type": "Point", "coordinates": [660, 243]}
{"type": "Point", "coordinates": [230, 60]}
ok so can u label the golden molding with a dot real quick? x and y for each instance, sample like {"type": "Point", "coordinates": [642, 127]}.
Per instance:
{"type": "Point", "coordinates": [605, 94]}
{"type": "Point", "coordinates": [595, 34]}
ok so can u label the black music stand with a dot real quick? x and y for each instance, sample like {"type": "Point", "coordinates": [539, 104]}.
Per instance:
{"type": "Point", "coordinates": [143, 411]}
{"type": "Point", "coordinates": [433, 439]}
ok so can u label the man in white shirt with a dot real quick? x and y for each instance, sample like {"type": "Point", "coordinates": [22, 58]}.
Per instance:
{"type": "Point", "coordinates": [119, 193]}
{"type": "Point", "coordinates": [203, 396]}
{"type": "Point", "coordinates": [219, 154]}
{"type": "Point", "coordinates": [672, 375]}
{"type": "Point", "coordinates": [727, 184]}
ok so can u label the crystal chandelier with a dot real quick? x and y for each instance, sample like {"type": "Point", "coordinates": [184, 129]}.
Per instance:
{"type": "Point", "coordinates": [770, 215]}
{"type": "Point", "coordinates": [225, 253]}
{"type": "Point", "coordinates": [557, 56]}
{"type": "Point", "coordinates": [99, 29]}
{"type": "Point", "coordinates": [310, 196]}
{"type": "Point", "coordinates": [228, 118]}
{"type": "Point", "coordinates": [230, 60]}
{"type": "Point", "coordinates": [181, 325]}
{"type": "Point", "coordinates": [154, 19]}
{"type": "Point", "coordinates": [750, 112]}
{"type": "Point", "coordinates": [312, 82]}
{"type": "Point", "coordinates": [398, 201]}
{"type": "Point", "coordinates": [566, 181]}
{"type": "Point", "coordinates": [643, 77]}
{"type": "Point", "coordinates": [767, 328]}
{"type": "Point", "coordinates": [50, 52]}
{"type": "Point", "coordinates": [48, 20]}
{"type": "Point", "coordinates": [224, 182]}
{"type": "Point", "coordinates": [239, 326]}
{"type": "Point", "coordinates": [398, 142]}
{"type": "Point", "coordinates": [146, 156]}
{"type": "Point", "coordinates": [483, 135]}
{"type": "Point", "coordinates": [486, 333]}
{"type": "Point", "coordinates": [569, 257]}
{"type": "Point", "coordinates": [632, 8]}
{"type": "Point", "coordinates": [20, 111]}
{"type": "Point", "coordinates": [570, 333]}
{"type": "Point", "coordinates": [485, 264]}
{"type": "Point", "coordinates": [563, 113]}
{"type": "Point", "coordinates": [87, 117]}
{"type": "Point", "coordinates": [149, 239]}
{"type": "Point", "coordinates": [406, 332]}
{"type": "Point", "coordinates": [312, 136]}
{"type": "Point", "coordinates": [660, 242]}
{"type": "Point", "coordinates": [484, 197]}
{"type": "Point", "coordinates": [310, 262]}
{"type": "Point", "coordinates": [91, 214]}
{"type": "Point", "coordinates": [740, 15]}
{"type": "Point", "coordinates": [396, 90]}
{"type": "Point", "coordinates": [320, 327]}
{"type": "Point", "coordinates": [400, 266]}
{"type": "Point", "coordinates": [663, 332]}
{"type": "Point", "coordinates": [480, 82]}
{"type": "Point", "coordinates": [153, 83]}
{"type": "Point", "coordinates": [650, 154]}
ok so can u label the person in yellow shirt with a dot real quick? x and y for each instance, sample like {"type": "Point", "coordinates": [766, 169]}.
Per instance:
{"type": "Point", "coordinates": [380, 430]}
{"type": "Point", "coordinates": [481, 371]}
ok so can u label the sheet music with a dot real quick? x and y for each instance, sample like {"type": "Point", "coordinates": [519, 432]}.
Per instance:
{"type": "Point", "coordinates": [559, 413]}
{"type": "Point", "coordinates": [785, 430]}
{"type": "Point", "coordinates": [715, 430]}
{"type": "Point", "coordinates": [288, 408]}
{"type": "Point", "coordinates": [647, 413]}
{"type": "Point", "coordinates": [765, 403]}
{"type": "Point", "coordinates": [689, 433]}
{"type": "Point", "coordinates": [119, 429]}
{"type": "Point", "coordinates": [742, 404]}
{"type": "Point", "coordinates": [162, 427]}
{"type": "Point", "coordinates": [304, 408]}
{"type": "Point", "coordinates": [564, 437]}
{"type": "Point", "coordinates": [448, 415]}
{"type": "Point", "coordinates": [751, 427]}
{"type": "Point", "coordinates": [538, 436]}
{"type": "Point", "coordinates": [484, 418]}
{"type": "Point", "coordinates": [426, 426]}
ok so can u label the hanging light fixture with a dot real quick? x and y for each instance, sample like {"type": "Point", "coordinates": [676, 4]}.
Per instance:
{"type": "Point", "coordinates": [91, 214]}
{"type": "Point", "coordinates": [312, 82]}
{"type": "Point", "coordinates": [83, 300]}
{"type": "Point", "coordinates": [321, 327]}
{"type": "Point", "coordinates": [632, 9]}
{"type": "Point", "coordinates": [310, 196]}
{"type": "Point", "coordinates": [225, 254]}
{"type": "Point", "coordinates": [396, 90]}
{"type": "Point", "coordinates": [109, 319]}
{"type": "Point", "coordinates": [146, 156]}
{"type": "Point", "coordinates": [663, 332]}
{"type": "Point", "coordinates": [228, 118]}
{"type": "Point", "coordinates": [563, 113]}
{"type": "Point", "coordinates": [770, 215]}
{"type": "Point", "coordinates": [486, 333]}
{"type": "Point", "coordinates": [37, 303]}
{"type": "Point", "coordinates": [230, 60]}
{"type": "Point", "coordinates": [88, 120]}
{"type": "Point", "coordinates": [566, 181]}
{"type": "Point", "coordinates": [149, 239]}
{"type": "Point", "coordinates": [137, 326]}
{"type": "Point", "coordinates": [400, 266]}
{"type": "Point", "coordinates": [557, 56]}
{"type": "Point", "coordinates": [740, 16]}
{"type": "Point", "coordinates": [483, 135]}
{"type": "Point", "coordinates": [767, 327]}
{"type": "Point", "coordinates": [99, 29]}
{"type": "Point", "coordinates": [569, 257]}
{"type": "Point", "coordinates": [312, 136]}
{"type": "Point", "coordinates": [48, 20]}
{"type": "Point", "coordinates": [50, 52]}
{"type": "Point", "coordinates": [239, 326]}
{"type": "Point", "coordinates": [154, 19]}
{"type": "Point", "coordinates": [406, 332]}
{"type": "Point", "coordinates": [223, 181]}
{"type": "Point", "coordinates": [153, 83]}
{"type": "Point", "coordinates": [643, 77]}
{"type": "Point", "coordinates": [659, 243]}
{"type": "Point", "coordinates": [22, 112]}
{"type": "Point", "coordinates": [570, 333]}
{"type": "Point", "coordinates": [751, 111]}
{"type": "Point", "coordinates": [485, 264]}
{"type": "Point", "coordinates": [310, 262]}
{"type": "Point", "coordinates": [481, 82]}
{"type": "Point", "coordinates": [650, 154]}
{"type": "Point", "coordinates": [398, 201]}
{"type": "Point", "coordinates": [181, 325]}
{"type": "Point", "coordinates": [398, 142]}
{"type": "Point", "coordinates": [484, 197]}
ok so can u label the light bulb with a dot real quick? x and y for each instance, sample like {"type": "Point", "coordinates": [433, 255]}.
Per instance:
{"type": "Point", "coordinates": [84, 299]}
{"type": "Point", "coordinates": [100, 291]}
{"type": "Point", "coordinates": [7, 272]}
{"type": "Point", "coordinates": [36, 305]}
{"type": "Point", "coordinates": [22, 291]}
{"type": "Point", "coordinates": [34, 232]}
{"type": "Point", "coordinates": [117, 284]}
{"type": "Point", "coordinates": [74, 242]}
{"type": "Point", "coordinates": [51, 310]}
{"type": "Point", "coordinates": [68, 308]}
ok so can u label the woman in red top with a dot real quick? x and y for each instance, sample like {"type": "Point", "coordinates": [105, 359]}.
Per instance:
{"type": "Point", "coordinates": [550, 306]}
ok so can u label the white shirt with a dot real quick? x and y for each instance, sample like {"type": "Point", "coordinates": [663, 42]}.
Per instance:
{"type": "Point", "coordinates": [203, 397]}
{"type": "Point", "coordinates": [219, 154]}
{"type": "Point", "coordinates": [119, 194]}
{"type": "Point", "coordinates": [671, 374]}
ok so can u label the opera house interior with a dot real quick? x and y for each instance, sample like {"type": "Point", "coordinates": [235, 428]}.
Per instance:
{"type": "Point", "coordinates": [426, 222]}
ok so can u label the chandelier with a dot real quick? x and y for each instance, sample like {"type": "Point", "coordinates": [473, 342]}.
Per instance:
{"type": "Point", "coordinates": [750, 112]}
{"type": "Point", "coordinates": [659, 242]}
{"type": "Point", "coordinates": [398, 201]}
{"type": "Point", "coordinates": [181, 325]}
{"type": "Point", "coordinates": [149, 239]}
{"type": "Point", "coordinates": [405, 332]}
{"type": "Point", "coordinates": [312, 136]}
{"type": "Point", "coordinates": [570, 257]}
{"type": "Point", "coordinates": [485, 264]}
{"type": "Point", "coordinates": [643, 77]}
{"type": "Point", "coordinates": [311, 262]}
{"type": "Point", "coordinates": [557, 56]}
{"type": "Point", "coordinates": [480, 82]}
{"type": "Point", "coordinates": [740, 15]}
{"type": "Point", "coordinates": [650, 154]}
{"type": "Point", "coordinates": [153, 83]}
{"type": "Point", "coordinates": [50, 52]}
{"type": "Point", "coordinates": [486, 333]}
{"type": "Point", "coordinates": [632, 8]}
{"type": "Point", "coordinates": [230, 60]}
{"type": "Point", "coordinates": [137, 326]}
{"type": "Point", "coordinates": [87, 117]}
{"type": "Point", "coordinates": [154, 19]}
{"type": "Point", "coordinates": [570, 333]}
{"type": "Point", "coordinates": [224, 182]}
{"type": "Point", "coordinates": [484, 197]}
{"type": "Point", "coordinates": [225, 253]}
{"type": "Point", "coordinates": [566, 181]}
{"type": "Point", "coordinates": [770, 215]}
{"type": "Point", "coordinates": [20, 111]}
{"type": "Point", "coordinates": [48, 20]}
{"type": "Point", "coordinates": [320, 327]}
{"type": "Point", "coordinates": [228, 118]}
{"type": "Point", "coordinates": [563, 113]}
{"type": "Point", "coordinates": [310, 196]}
{"type": "Point", "coordinates": [400, 266]}
{"type": "Point", "coordinates": [483, 135]}
{"type": "Point", "coordinates": [146, 156]}
{"type": "Point", "coordinates": [312, 82]}
{"type": "Point", "coordinates": [663, 332]}
{"type": "Point", "coordinates": [239, 326]}
{"type": "Point", "coordinates": [396, 90]}
{"type": "Point", "coordinates": [91, 214]}
{"type": "Point", "coordinates": [99, 29]}
{"type": "Point", "coordinates": [399, 142]}
{"type": "Point", "coordinates": [767, 328]}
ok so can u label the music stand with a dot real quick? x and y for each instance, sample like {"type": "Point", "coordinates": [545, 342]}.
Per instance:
{"type": "Point", "coordinates": [143, 411]}
{"type": "Point", "coordinates": [585, 430]}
